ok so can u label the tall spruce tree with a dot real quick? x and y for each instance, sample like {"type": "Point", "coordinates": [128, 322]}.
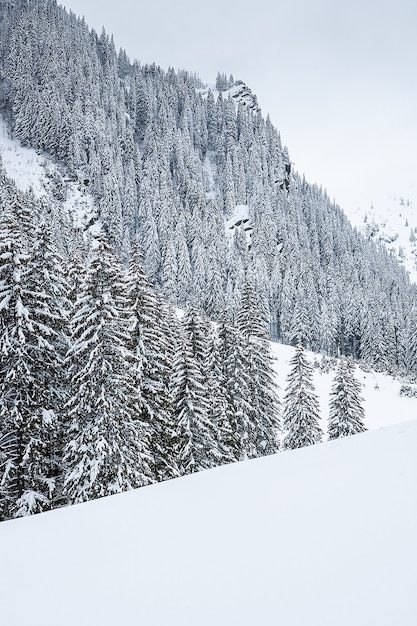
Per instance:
{"type": "Point", "coordinates": [196, 330]}
{"type": "Point", "coordinates": [153, 363]}
{"type": "Point", "coordinates": [236, 385]}
{"type": "Point", "coordinates": [196, 437]}
{"type": "Point", "coordinates": [33, 343]}
{"type": "Point", "coordinates": [346, 413]}
{"type": "Point", "coordinates": [50, 309]}
{"type": "Point", "coordinates": [107, 447]}
{"type": "Point", "coordinates": [218, 405]}
{"type": "Point", "coordinates": [301, 407]}
{"type": "Point", "coordinates": [264, 409]}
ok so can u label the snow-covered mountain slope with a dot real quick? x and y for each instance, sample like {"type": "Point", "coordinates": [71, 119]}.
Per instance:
{"type": "Point", "coordinates": [392, 219]}
{"type": "Point", "coordinates": [316, 537]}
{"type": "Point", "coordinates": [31, 170]}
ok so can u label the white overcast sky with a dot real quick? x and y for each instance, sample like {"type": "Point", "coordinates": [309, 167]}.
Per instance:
{"type": "Point", "coordinates": [337, 77]}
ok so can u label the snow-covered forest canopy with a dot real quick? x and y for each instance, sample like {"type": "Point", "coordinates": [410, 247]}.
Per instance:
{"type": "Point", "coordinates": [167, 159]}
{"type": "Point", "coordinates": [193, 202]}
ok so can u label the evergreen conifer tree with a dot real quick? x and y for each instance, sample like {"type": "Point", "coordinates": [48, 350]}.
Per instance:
{"type": "Point", "coordinates": [196, 330]}
{"type": "Point", "coordinates": [346, 413]}
{"type": "Point", "coordinates": [218, 405]}
{"type": "Point", "coordinates": [264, 417]}
{"type": "Point", "coordinates": [107, 447]}
{"type": "Point", "coordinates": [50, 308]}
{"type": "Point", "coordinates": [153, 363]}
{"type": "Point", "coordinates": [236, 385]}
{"type": "Point", "coordinates": [196, 438]}
{"type": "Point", "coordinates": [33, 342]}
{"type": "Point", "coordinates": [301, 407]}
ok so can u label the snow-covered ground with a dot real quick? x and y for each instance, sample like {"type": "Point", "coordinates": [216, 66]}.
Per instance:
{"type": "Point", "coordinates": [239, 218]}
{"type": "Point", "coordinates": [321, 536]}
{"type": "Point", "coordinates": [23, 165]}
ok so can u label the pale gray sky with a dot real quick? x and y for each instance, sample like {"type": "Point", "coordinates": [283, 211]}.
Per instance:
{"type": "Point", "coordinates": [337, 78]}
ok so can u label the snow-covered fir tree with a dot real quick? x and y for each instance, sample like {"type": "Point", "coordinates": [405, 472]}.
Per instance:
{"type": "Point", "coordinates": [197, 447]}
{"type": "Point", "coordinates": [152, 364]}
{"type": "Point", "coordinates": [107, 446]}
{"type": "Point", "coordinates": [217, 401]}
{"type": "Point", "coordinates": [301, 407]}
{"type": "Point", "coordinates": [51, 309]}
{"type": "Point", "coordinates": [33, 341]}
{"type": "Point", "coordinates": [196, 330]}
{"type": "Point", "coordinates": [346, 413]}
{"type": "Point", "coordinates": [264, 410]}
{"type": "Point", "coordinates": [235, 388]}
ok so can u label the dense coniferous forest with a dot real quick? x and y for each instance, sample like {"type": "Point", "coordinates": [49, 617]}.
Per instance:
{"type": "Point", "coordinates": [197, 206]}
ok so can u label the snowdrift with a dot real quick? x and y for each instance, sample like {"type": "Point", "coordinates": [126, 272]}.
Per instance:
{"type": "Point", "coordinates": [322, 536]}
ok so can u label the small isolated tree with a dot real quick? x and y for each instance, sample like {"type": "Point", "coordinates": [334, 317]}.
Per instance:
{"type": "Point", "coordinates": [301, 407]}
{"type": "Point", "coordinates": [346, 414]}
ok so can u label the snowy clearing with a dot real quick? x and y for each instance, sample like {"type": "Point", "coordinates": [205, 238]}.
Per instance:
{"type": "Point", "coordinates": [381, 393]}
{"type": "Point", "coordinates": [30, 170]}
{"type": "Point", "coordinates": [23, 165]}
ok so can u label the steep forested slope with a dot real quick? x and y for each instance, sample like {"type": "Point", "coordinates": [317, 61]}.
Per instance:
{"type": "Point", "coordinates": [167, 159]}
{"type": "Point", "coordinates": [139, 189]}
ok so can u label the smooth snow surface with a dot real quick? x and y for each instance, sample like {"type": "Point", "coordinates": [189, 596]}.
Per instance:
{"type": "Point", "coordinates": [323, 536]}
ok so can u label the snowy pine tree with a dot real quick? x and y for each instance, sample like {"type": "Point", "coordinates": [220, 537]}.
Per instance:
{"type": "Point", "coordinates": [346, 413]}
{"type": "Point", "coordinates": [196, 330]}
{"type": "Point", "coordinates": [264, 417]}
{"type": "Point", "coordinates": [301, 407]}
{"type": "Point", "coordinates": [236, 385]}
{"type": "Point", "coordinates": [196, 437]}
{"type": "Point", "coordinates": [107, 445]}
{"type": "Point", "coordinates": [150, 344]}
{"type": "Point", "coordinates": [32, 347]}
{"type": "Point", "coordinates": [218, 405]}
